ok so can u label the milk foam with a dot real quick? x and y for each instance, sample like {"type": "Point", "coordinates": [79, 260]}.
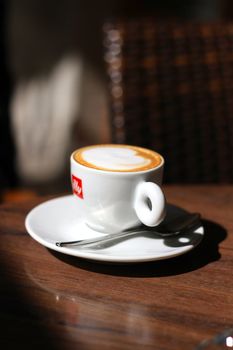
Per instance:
{"type": "Point", "coordinates": [112, 158]}
{"type": "Point", "coordinates": [117, 158]}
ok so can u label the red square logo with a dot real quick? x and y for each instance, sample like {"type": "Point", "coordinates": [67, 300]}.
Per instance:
{"type": "Point", "coordinates": [77, 186]}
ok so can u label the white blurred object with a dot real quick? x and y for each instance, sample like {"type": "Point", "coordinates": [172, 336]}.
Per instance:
{"type": "Point", "coordinates": [43, 111]}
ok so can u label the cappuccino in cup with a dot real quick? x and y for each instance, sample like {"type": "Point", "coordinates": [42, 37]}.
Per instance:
{"type": "Point", "coordinates": [117, 187]}
{"type": "Point", "coordinates": [120, 158]}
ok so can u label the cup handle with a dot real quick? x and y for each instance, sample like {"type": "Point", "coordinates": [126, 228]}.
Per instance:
{"type": "Point", "coordinates": [149, 203]}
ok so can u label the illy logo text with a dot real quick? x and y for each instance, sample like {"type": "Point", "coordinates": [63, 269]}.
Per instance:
{"type": "Point", "coordinates": [77, 186]}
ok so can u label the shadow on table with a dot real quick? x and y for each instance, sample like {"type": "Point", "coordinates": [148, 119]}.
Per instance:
{"type": "Point", "coordinates": [205, 253]}
{"type": "Point", "coordinates": [21, 325]}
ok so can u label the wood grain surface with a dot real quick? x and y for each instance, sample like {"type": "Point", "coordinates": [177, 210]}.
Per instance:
{"type": "Point", "coordinates": [53, 301]}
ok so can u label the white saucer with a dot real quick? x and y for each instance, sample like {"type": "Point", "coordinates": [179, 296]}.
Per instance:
{"type": "Point", "coordinates": [58, 220]}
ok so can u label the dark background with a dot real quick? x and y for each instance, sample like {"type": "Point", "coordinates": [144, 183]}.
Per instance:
{"type": "Point", "coordinates": [34, 34]}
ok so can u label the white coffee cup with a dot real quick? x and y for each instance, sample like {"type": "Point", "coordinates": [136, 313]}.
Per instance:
{"type": "Point", "coordinates": [118, 186]}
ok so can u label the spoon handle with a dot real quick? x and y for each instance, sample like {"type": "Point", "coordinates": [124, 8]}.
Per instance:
{"type": "Point", "coordinates": [104, 238]}
{"type": "Point", "coordinates": [191, 221]}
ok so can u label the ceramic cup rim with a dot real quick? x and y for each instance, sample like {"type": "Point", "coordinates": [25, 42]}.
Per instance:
{"type": "Point", "coordinates": [115, 172]}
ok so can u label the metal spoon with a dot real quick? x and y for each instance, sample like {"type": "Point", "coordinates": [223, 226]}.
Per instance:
{"type": "Point", "coordinates": [173, 227]}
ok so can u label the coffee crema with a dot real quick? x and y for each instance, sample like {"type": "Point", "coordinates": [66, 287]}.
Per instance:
{"type": "Point", "coordinates": [118, 158]}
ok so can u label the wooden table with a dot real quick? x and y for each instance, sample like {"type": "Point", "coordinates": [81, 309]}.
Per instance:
{"type": "Point", "coordinates": [57, 301]}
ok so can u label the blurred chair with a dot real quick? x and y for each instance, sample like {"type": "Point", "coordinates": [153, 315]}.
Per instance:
{"type": "Point", "coordinates": [171, 89]}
